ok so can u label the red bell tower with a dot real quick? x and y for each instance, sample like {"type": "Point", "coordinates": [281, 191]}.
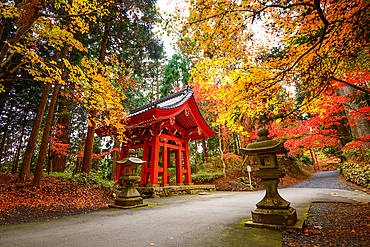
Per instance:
{"type": "Point", "coordinates": [163, 130]}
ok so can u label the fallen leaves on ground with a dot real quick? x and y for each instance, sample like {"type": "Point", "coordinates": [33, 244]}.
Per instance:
{"type": "Point", "coordinates": [23, 202]}
{"type": "Point", "coordinates": [334, 224]}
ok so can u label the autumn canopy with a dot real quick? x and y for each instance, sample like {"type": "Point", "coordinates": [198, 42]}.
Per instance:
{"type": "Point", "coordinates": [252, 55]}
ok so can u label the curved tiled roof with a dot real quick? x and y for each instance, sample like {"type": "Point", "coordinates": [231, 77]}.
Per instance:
{"type": "Point", "coordinates": [157, 111]}
{"type": "Point", "coordinates": [168, 102]}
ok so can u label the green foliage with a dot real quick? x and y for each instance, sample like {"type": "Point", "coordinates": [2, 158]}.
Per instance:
{"type": "Point", "coordinates": [330, 151]}
{"type": "Point", "coordinates": [135, 96]}
{"type": "Point", "coordinates": [19, 186]}
{"type": "Point", "coordinates": [176, 74]}
{"type": "Point", "coordinates": [96, 179]}
{"type": "Point", "coordinates": [291, 166]}
{"type": "Point", "coordinates": [290, 158]}
{"type": "Point", "coordinates": [305, 159]}
{"type": "Point", "coordinates": [206, 176]}
{"type": "Point", "coordinates": [103, 167]}
{"type": "Point", "coordinates": [60, 175]}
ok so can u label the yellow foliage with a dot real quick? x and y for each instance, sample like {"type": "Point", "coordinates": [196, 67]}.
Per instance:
{"type": "Point", "coordinates": [96, 86]}
{"type": "Point", "coordinates": [9, 10]}
{"type": "Point", "coordinates": [101, 87]}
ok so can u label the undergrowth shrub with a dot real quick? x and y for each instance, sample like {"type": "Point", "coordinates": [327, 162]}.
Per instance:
{"type": "Point", "coordinates": [96, 179]}
{"type": "Point", "coordinates": [359, 155]}
{"type": "Point", "coordinates": [205, 176]}
{"type": "Point", "coordinates": [306, 160]}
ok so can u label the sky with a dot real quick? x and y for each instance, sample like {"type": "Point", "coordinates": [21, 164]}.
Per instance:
{"type": "Point", "coordinates": [168, 6]}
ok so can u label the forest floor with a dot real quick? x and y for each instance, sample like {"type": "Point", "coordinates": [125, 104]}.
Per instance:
{"type": "Point", "coordinates": [23, 202]}
{"type": "Point", "coordinates": [333, 224]}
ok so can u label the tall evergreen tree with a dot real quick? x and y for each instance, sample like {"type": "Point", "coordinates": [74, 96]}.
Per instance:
{"type": "Point", "coordinates": [176, 74]}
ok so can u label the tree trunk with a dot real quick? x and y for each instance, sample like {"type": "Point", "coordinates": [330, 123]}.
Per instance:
{"type": "Point", "coordinates": [243, 141]}
{"type": "Point", "coordinates": [24, 172]}
{"type": "Point", "coordinates": [362, 126]}
{"type": "Point", "coordinates": [157, 84]}
{"type": "Point", "coordinates": [18, 152]}
{"type": "Point", "coordinates": [196, 158]}
{"type": "Point", "coordinates": [49, 122]}
{"type": "Point", "coordinates": [205, 151]}
{"type": "Point", "coordinates": [87, 158]}
{"type": "Point", "coordinates": [78, 166]}
{"type": "Point", "coordinates": [88, 152]}
{"type": "Point", "coordinates": [115, 157]}
{"type": "Point", "coordinates": [313, 160]}
{"type": "Point", "coordinates": [222, 152]}
{"type": "Point", "coordinates": [59, 161]}
{"type": "Point", "coordinates": [316, 160]}
{"type": "Point", "coordinates": [3, 143]}
{"type": "Point", "coordinates": [345, 136]}
{"type": "Point", "coordinates": [77, 169]}
{"type": "Point", "coordinates": [234, 143]}
{"type": "Point", "coordinates": [49, 166]}
{"type": "Point", "coordinates": [225, 141]}
{"type": "Point", "coordinates": [45, 138]}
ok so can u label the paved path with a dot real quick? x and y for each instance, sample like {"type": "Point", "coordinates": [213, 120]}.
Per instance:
{"type": "Point", "coordinates": [323, 180]}
{"type": "Point", "coordinates": [190, 220]}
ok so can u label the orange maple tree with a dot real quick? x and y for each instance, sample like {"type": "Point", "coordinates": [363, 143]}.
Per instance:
{"type": "Point", "coordinates": [305, 46]}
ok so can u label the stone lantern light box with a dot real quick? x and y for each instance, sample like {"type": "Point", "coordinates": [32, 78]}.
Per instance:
{"type": "Point", "coordinates": [272, 209]}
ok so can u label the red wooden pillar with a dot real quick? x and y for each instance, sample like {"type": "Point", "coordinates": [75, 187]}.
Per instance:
{"type": "Point", "coordinates": [155, 159]}
{"type": "Point", "coordinates": [187, 162]}
{"type": "Point", "coordinates": [144, 168]}
{"type": "Point", "coordinates": [164, 163]}
{"type": "Point", "coordinates": [121, 168]}
{"type": "Point", "coordinates": [179, 169]}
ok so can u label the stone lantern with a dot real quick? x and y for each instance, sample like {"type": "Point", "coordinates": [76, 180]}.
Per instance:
{"type": "Point", "coordinates": [272, 209]}
{"type": "Point", "coordinates": [129, 196]}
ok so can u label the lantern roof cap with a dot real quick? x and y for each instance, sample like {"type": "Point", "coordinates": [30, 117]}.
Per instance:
{"type": "Point", "coordinates": [264, 145]}
{"type": "Point", "coordinates": [131, 159]}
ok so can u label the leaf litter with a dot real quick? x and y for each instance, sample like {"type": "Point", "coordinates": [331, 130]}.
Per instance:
{"type": "Point", "coordinates": [23, 202]}
{"type": "Point", "coordinates": [334, 224]}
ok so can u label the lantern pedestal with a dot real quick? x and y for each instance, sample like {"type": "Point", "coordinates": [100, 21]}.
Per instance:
{"type": "Point", "coordinates": [286, 217]}
{"type": "Point", "coordinates": [129, 196]}
{"type": "Point", "coordinates": [273, 209]}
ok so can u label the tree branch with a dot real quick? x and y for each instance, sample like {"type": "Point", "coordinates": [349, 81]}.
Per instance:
{"type": "Point", "coordinates": [68, 16]}
{"type": "Point", "coordinates": [255, 12]}
{"type": "Point", "coordinates": [12, 71]}
{"type": "Point", "coordinates": [351, 85]}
